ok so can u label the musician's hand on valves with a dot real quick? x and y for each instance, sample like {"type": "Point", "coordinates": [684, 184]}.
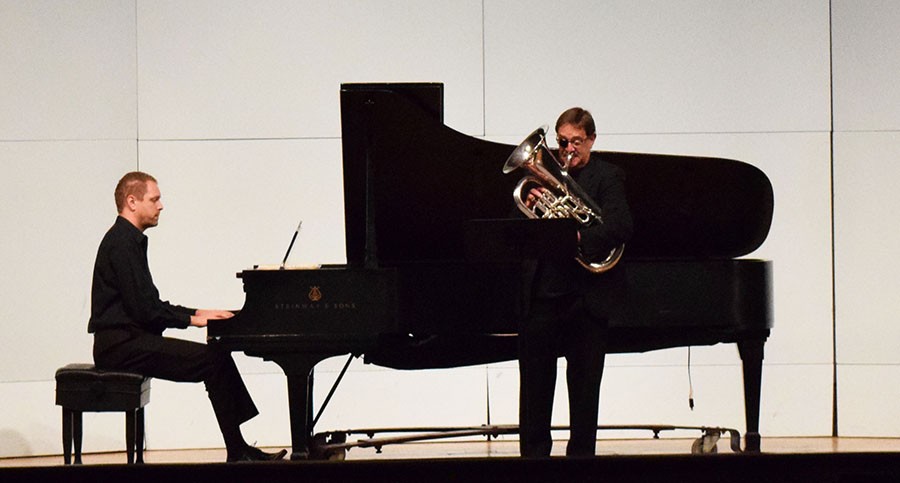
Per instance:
{"type": "Point", "coordinates": [533, 195]}
{"type": "Point", "coordinates": [202, 316]}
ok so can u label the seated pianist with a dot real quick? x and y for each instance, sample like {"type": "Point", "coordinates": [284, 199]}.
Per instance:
{"type": "Point", "coordinates": [128, 319]}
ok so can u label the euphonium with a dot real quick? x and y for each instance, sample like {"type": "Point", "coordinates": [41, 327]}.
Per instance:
{"type": "Point", "coordinates": [561, 196]}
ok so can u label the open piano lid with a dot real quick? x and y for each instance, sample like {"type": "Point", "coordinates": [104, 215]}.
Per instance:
{"type": "Point", "coordinates": [411, 183]}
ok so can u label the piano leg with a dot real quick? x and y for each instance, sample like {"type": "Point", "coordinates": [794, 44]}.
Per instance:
{"type": "Point", "coordinates": [298, 402]}
{"type": "Point", "coordinates": [298, 369]}
{"type": "Point", "coordinates": [752, 356]}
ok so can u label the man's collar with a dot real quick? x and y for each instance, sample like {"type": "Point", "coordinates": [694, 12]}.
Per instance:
{"type": "Point", "coordinates": [129, 228]}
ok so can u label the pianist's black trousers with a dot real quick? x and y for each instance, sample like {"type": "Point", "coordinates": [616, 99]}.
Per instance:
{"type": "Point", "coordinates": [181, 361]}
{"type": "Point", "coordinates": [554, 327]}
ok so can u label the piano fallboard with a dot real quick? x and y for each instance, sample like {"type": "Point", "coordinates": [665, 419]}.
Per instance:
{"type": "Point", "coordinates": [328, 301]}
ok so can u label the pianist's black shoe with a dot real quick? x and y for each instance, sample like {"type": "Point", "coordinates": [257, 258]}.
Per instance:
{"type": "Point", "coordinates": [251, 453]}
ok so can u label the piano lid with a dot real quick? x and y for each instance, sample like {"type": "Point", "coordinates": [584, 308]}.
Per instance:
{"type": "Point", "coordinates": [411, 184]}
{"type": "Point", "coordinates": [694, 207]}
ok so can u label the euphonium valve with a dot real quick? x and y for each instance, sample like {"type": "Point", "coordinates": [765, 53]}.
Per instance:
{"type": "Point", "coordinates": [560, 196]}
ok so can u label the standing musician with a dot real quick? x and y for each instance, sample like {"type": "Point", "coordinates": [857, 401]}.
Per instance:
{"type": "Point", "coordinates": [568, 308]}
{"type": "Point", "coordinates": [128, 319]}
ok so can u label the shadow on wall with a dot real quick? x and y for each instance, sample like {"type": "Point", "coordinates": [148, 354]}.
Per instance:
{"type": "Point", "coordinates": [13, 443]}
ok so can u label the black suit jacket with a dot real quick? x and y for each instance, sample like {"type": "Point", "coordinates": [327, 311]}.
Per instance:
{"type": "Point", "coordinates": [604, 294]}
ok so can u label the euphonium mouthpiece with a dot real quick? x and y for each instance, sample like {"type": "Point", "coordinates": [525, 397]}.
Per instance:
{"type": "Point", "coordinates": [568, 160]}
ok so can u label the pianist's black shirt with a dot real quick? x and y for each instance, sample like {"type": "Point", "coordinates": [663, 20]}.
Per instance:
{"type": "Point", "coordinates": [123, 294]}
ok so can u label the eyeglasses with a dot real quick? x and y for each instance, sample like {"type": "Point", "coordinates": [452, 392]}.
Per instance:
{"type": "Point", "coordinates": [564, 143]}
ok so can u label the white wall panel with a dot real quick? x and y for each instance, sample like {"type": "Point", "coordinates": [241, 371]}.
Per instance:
{"type": "Point", "coordinates": [796, 400]}
{"type": "Point", "coordinates": [645, 395]}
{"type": "Point", "coordinates": [866, 65]}
{"type": "Point", "coordinates": [68, 70]}
{"type": "Point", "coordinates": [658, 67]}
{"type": "Point", "coordinates": [867, 399]}
{"type": "Point", "coordinates": [30, 422]}
{"type": "Point", "coordinates": [184, 406]}
{"type": "Point", "coordinates": [57, 204]}
{"type": "Point", "coordinates": [867, 269]}
{"type": "Point", "coordinates": [372, 397]}
{"type": "Point", "coordinates": [273, 69]}
{"type": "Point", "coordinates": [866, 148]}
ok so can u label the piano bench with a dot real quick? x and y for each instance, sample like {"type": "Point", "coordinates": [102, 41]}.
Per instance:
{"type": "Point", "coordinates": [83, 388]}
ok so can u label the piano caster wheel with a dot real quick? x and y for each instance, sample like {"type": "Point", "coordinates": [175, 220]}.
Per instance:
{"type": "Point", "coordinates": [706, 444]}
{"type": "Point", "coordinates": [339, 455]}
{"type": "Point", "coordinates": [299, 456]}
{"type": "Point", "coordinates": [326, 446]}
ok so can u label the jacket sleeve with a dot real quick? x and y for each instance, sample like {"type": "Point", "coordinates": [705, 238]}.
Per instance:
{"type": "Point", "coordinates": [599, 239]}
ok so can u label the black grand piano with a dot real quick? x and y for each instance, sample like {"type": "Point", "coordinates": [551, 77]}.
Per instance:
{"type": "Point", "coordinates": [432, 263]}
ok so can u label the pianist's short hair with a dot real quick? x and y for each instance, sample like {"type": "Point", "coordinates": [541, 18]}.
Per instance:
{"type": "Point", "coordinates": [577, 117]}
{"type": "Point", "coordinates": [133, 183]}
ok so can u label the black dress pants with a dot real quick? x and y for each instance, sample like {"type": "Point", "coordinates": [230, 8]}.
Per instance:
{"type": "Point", "coordinates": [556, 327]}
{"type": "Point", "coordinates": [181, 361]}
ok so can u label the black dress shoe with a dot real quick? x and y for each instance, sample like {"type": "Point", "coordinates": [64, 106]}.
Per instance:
{"type": "Point", "coordinates": [251, 453]}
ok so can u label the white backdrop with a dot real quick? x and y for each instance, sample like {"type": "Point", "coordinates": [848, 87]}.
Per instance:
{"type": "Point", "coordinates": [234, 106]}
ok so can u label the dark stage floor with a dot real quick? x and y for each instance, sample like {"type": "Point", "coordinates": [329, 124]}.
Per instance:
{"type": "Point", "coordinates": [667, 460]}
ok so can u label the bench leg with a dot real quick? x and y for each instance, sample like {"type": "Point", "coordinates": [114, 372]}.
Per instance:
{"type": "Point", "coordinates": [76, 435]}
{"type": "Point", "coordinates": [67, 435]}
{"type": "Point", "coordinates": [139, 441]}
{"type": "Point", "coordinates": [130, 418]}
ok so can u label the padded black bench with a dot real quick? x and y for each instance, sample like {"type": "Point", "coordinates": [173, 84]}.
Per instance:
{"type": "Point", "coordinates": [83, 388]}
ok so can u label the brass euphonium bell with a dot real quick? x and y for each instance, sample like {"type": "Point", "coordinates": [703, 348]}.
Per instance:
{"type": "Point", "coordinates": [561, 196]}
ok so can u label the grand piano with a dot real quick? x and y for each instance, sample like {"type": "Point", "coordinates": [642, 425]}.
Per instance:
{"type": "Point", "coordinates": [433, 262]}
